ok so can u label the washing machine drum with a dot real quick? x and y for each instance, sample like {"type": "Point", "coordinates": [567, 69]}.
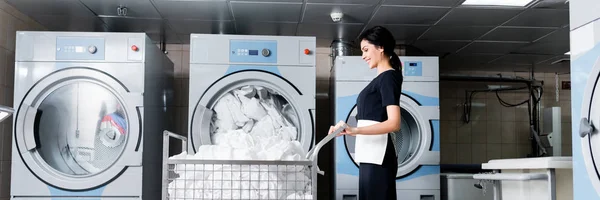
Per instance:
{"type": "Point", "coordinates": [72, 132]}
{"type": "Point", "coordinates": [410, 142]}
{"type": "Point", "coordinates": [589, 124]}
{"type": "Point", "coordinates": [252, 105]}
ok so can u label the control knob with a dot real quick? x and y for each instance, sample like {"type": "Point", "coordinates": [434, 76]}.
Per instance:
{"type": "Point", "coordinates": [92, 49]}
{"type": "Point", "coordinates": [266, 52]}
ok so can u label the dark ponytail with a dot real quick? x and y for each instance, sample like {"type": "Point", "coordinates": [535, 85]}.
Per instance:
{"type": "Point", "coordinates": [395, 61]}
{"type": "Point", "coordinates": [381, 37]}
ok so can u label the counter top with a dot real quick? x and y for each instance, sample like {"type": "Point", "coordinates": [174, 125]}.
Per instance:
{"type": "Point", "coordinates": [530, 163]}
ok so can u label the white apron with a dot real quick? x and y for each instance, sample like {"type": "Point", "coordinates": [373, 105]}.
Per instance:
{"type": "Point", "coordinates": [370, 148]}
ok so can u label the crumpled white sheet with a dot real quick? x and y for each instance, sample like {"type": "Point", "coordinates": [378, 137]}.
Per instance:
{"type": "Point", "coordinates": [254, 107]}
{"type": "Point", "coordinates": [250, 123]}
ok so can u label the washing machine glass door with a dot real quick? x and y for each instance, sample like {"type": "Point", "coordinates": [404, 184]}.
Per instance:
{"type": "Point", "coordinates": [253, 103]}
{"type": "Point", "coordinates": [410, 142]}
{"type": "Point", "coordinates": [589, 125]}
{"type": "Point", "coordinates": [72, 131]}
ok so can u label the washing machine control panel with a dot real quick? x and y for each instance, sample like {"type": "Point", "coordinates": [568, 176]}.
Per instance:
{"type": "Point", "coordinates": [253, 51]}
{"type": "Point", "coordinates": [413, 68]}
{"type": "Point", "coordinates": [79, 48]}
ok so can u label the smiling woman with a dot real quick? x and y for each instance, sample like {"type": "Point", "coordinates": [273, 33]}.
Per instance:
{"type": "Point", "coordinates": [378, 115]}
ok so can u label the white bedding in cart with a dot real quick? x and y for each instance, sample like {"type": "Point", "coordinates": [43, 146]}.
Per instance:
{"type": "Point", "coordinates": [250, 123]}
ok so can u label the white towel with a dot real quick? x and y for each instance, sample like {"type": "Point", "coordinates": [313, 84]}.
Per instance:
{"type": "Point", "coordinates": [370, 148]}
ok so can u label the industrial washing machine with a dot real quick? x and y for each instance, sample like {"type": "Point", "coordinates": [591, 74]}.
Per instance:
{"type": "Point", "coordinates": [418, 141]}
{"type": "Point", "coordinates": [585, 103]}
{"type": "Point", "coordinates": [279, 68]}
{"type": "Point", "coordinates": [90, 109]}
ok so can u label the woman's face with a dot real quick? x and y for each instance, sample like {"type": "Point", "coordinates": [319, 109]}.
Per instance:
{"type": "Point", "coordinates": [371, 54]}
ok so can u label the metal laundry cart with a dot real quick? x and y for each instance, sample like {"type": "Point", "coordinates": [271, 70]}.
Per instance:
{"type": "Point", "coordinates": [239, 179]}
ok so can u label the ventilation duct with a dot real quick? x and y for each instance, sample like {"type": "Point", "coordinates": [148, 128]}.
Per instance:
{"type": "Point", "coordinates": [340, 48]}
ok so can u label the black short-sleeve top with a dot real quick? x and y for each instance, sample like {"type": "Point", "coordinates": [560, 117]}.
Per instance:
{"type": "Point", "coordinates": [382, 91]}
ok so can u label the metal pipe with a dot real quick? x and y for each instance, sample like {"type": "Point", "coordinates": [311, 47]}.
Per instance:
{"type": "Point", "coordinates": [552, 183]}
{"type": "Point", "coordinates": [485, 79]}
{"type": "Point", "coordinates": [340, 48]}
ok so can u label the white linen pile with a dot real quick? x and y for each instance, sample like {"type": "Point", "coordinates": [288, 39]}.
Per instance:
{"type": "Point", "coordinates": [250, 123]}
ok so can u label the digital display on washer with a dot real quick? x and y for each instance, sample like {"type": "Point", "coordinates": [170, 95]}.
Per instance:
{"type": "Point", "coordinates": [253, 52]}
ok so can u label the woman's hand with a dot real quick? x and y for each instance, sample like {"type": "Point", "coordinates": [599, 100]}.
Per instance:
{"type": "Point", "coordinates": [347, 131]}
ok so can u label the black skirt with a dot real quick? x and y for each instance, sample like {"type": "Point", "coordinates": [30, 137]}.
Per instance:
{"type": "Point", "coordinates": [378, 182]}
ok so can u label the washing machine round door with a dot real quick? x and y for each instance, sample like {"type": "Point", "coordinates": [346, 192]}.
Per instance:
{"type": "Point", "coordinates": [589, 124]}
{"type": "Point", "coordinates": [413, 139]}
{"type": "Point", "coordinates": [256, 102]}
{"type": "Point", "coordinates": [77, 129]}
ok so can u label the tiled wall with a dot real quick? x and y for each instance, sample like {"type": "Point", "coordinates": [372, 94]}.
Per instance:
{"type": "Point", "coordinates": [11, 21]}
{"type": "Point", "coordinates": [495, 131]}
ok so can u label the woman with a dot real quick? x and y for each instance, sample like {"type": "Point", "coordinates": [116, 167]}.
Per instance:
{"type": "Point", "coordinates": [378, 107]}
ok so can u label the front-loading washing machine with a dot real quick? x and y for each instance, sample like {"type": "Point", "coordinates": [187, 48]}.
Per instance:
{"type": "Point", "coordinates": [275, 69]}
{"type": "Point", "coordinates": [417, 143]}
{"type": "Point", "coordinates": [585, 113]}
{"type": "Point", "coordinates": [90, 109]}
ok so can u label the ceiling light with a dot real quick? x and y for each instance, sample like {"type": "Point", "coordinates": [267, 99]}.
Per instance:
{"type": "Point", "coordinates": [5, 112]}
{"type": "Point", "coordinates": [497, 2]}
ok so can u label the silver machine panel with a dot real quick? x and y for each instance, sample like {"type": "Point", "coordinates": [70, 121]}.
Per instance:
{"type": "Point", "coordinates": [89, 112]}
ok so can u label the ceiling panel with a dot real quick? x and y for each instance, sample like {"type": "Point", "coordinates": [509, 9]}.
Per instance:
{"type": "Point", "coordinates": [66, 23]}
{"type": "Point", "coordinates": [272, 12]}
{"type": "Point", "coordinates": [558, 35]}
{"type": "Point", "coordinates": [266, 28]}
{"type": "Point", "coordinates": [541, 18]}
{"type": "Point", "coordinates": [406, 32]}
{"type": "Point", "coordinates": [517, 34]}
{"type": "Point", "coordinates": [524, 59]}
{"type": "Point", "coordinates": [556, 43]}
{"type": "Point", "coordinates": [431, 46]}
{"type": "Point", "coordinates": [554, 48]}
{"type": "Point", "coordinates": [557, 60]}
{"type": "Point", "coordinates": [198, 26]}
{"type": "Point", "coordinates": [469, 58]}
{"type": "Point", "coordinates": [478, 16]}
{"type": "Point", "coordinates": [330, 31]}
{"type": "Point", "coordinates": [455, 32]}
{"type": "Point", "coordinates": [51, 7]}
{"type": "Point", "coordinates": [448, 3]}
{"type": "Point", "coordinates": [135, 8]}
{"type": "Point", "coordinates": [203, 10]}
{"type": "Point", "coordinates": [319, 13]}
{"type": "Point", "coordinates": [492, 47]}
{"type": "Point", "coordinates": [553, 4]}
{"type": "Point", "coordinates": [408, 15]}
{"type": "Point", "coordinates": [135, 24]}
{"type": "Point", "coordinates": [367, 2]}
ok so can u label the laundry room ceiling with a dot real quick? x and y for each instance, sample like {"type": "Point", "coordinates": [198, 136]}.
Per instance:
{"type": "Point", "coordinates": [486, 37]}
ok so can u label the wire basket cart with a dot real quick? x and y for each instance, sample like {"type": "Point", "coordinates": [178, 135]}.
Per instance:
{"type": "Point", "coordinates": [184, 179]}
